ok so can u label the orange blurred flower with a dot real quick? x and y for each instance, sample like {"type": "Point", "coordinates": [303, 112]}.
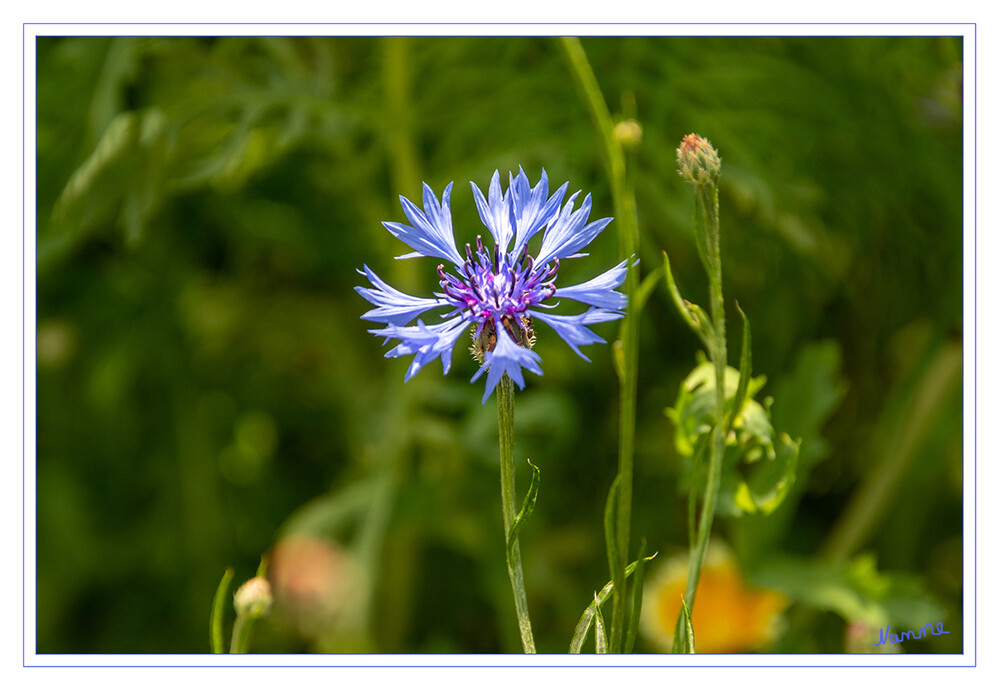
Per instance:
{"type": "Point", "coordinates": [729, 616]}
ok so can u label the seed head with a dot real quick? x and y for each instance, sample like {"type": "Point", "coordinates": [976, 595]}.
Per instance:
{"type": "Point", "coordinates": [697, 160]}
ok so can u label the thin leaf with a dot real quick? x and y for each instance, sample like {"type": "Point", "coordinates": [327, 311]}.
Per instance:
{"type": "Point", "coordinates": [586, 620]}
{"type": "Point", "coordinates": [601, 633]}
{"type": "Point", "coordinates": [526, 509]}
{"type": "Point", "coordinates": [218, 608]}
{"type": "Point", "coordinates": [745, 371]}
{"type": "Point", "coordinates": [636, 600]}
{"type": "Point", "coordinates": [690, 627]}
{"type": "Point", "coordinates": [683, 637]}
{"type": "Point", "coordinates": [617, 350]}
{"type": "Point", "coordinates": [694, 316]}
{"type": "Point", "coordinates": [610, 525]}
{"type": "Point", "coordinates": [613, 558]}
{"type": "Point", "coordinates": [644, 291]}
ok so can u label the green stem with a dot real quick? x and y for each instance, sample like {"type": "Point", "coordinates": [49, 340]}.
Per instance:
{"type": "Point", "coordinates": [627, 226]}
{"type": "Point", "coordinates": [504, 403]}
{"type": "Point", "coordinates": [240, 635]}
{"type": "Point", "coordinates": [707, 200]}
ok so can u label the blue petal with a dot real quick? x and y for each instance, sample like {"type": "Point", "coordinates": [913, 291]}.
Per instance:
{"type": "Point", "coordinates": [567, 234]}
{"type": "Point", "coordinates": [392, 306]}
{"type": "Point", "coordinates": [431, 233]}
{"type": "Point", "coordinates": [507, 358]}
{"type": "Point", "coordinates": [532, 209]}
{"type": "Point", "coordinates": [572, 328]}
{"type": "Point", "coordinates": [425, 342]}
{"type": "Point", "coordinates": [599, 291]}
{"type": "Point", "coordinates": [496, 213]}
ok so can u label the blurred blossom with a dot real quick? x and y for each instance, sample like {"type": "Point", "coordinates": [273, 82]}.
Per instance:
{"type": "Point", "coordinates": [729, 616]}
{"type": "Point", "coordinates": [862, 638]}
{"type": "Point", "coordinates": [56, 342]}
{"type": "Point", "coordinates": [317, 584]}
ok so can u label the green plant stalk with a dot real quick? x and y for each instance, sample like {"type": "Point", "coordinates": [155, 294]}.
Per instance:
{"type": "Point", "coordinates": [241, 635]}
{"type": "Point", "coordinates": [627, 227]}
{"type": "Point", "coordinates": [504, 403]}
{"type": "Point", "coordinates": [707, 201]}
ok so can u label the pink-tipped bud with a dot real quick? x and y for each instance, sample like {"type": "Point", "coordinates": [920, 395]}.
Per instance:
{"type": "Point", "coordinates": [697, 160]}
{"type": "Point", "coordinates": [253, 600]}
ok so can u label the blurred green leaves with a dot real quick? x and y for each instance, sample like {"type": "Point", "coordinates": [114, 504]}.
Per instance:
{"type": "Point", "coordinates": [855, 590]}
{"type": "Point", "coordinates": [203, 203]}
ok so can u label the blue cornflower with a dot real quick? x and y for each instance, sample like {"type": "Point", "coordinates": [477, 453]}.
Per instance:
{"type": "Point", "coordinates": [495, 291]}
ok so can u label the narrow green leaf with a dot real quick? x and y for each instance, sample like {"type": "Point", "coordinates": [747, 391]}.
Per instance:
{"type": "Point", "coordinates": [218, 608]}
{"type": "Point", "coordinates": [617, 351]}
{"type": "Point", "coordinates": [688, 640]}
{"type": "Point", "coordinates": [637, 303]}
{"type": "Point", "coordinates": [601, 633]}
{"type": "Point", "coordinates": [610, 526]}
{"type": "Point", "coordinates": [262, 568]}
{"type": "Point", "coordinates": [695, 317]}
{"type": "Point", "coordinates": [683, 632]}
{"type": "Point", "coordinates": [636, 600]}
{"type": "Point", "coordinates": [586, 620]}
{"type": "Point", "coordinates": [614, 559]}
{"type": "Point", "coordinates": [526, 509]}
{"type": "Point", "coordinates": [745, 371]}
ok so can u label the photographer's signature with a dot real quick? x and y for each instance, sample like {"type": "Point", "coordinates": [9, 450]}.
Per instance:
{"type": "Point", "coordinates": [888, 636]}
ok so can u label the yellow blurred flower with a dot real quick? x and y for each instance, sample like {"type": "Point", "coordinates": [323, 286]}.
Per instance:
{"type": "Point", "coordinates": [729, 616]}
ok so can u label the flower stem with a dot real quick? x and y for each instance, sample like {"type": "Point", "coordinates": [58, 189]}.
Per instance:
{"type": "Point", "coordinates": [504, 403]}
{"type": "Point", "coordinates": [627, 224]}
{"type": "Point", "coordinates": [240, 635]}
{"type": "Point", "coordinates": [707, 202]}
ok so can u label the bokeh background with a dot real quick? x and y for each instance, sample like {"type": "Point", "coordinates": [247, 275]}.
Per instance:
{"type": "Point", "coordinates": [208, 395]}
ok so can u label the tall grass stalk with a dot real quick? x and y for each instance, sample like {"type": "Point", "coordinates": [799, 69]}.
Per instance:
{"type": "Point", "coordinates": [627, 346]}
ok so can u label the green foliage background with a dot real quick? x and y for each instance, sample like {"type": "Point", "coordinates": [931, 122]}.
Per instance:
{"type": "Point", "coordinates": [203, 373]}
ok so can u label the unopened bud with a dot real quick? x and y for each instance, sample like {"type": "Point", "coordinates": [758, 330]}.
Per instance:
{"type": "Point", "coordinates": [253, 600]}
{"type": "Point", "coordinates": [628, 133]}
{"type": "Point", "coordinates": [697, 160]}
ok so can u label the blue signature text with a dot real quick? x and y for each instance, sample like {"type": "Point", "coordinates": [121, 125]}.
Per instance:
{"type": "Point", "coordinates": [888, 636]}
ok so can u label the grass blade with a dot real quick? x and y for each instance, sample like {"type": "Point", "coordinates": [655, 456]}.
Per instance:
{"type": "Point", "coordinates": [218, 609]}
{"type": "Point", "coordinates": [601, 633]}
{"type": "Point", "coordinates": [586, 620]}
{"type": "Point", "coordinates": [636, 601]}
{"type": "Point", "coordinates": [683, 636]}
{"type": "Point", "coordinates": [745, 371]}
{"type": "Point", "coordinates": [613, 559]}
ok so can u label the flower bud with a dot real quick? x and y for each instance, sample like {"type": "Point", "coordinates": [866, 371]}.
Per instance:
{"type": "Point", "coordinates": [628, 133]}
{"type": "Point", "coordinates": [697, 160]}
{"type": "Point", "coordinates": [253, 600]}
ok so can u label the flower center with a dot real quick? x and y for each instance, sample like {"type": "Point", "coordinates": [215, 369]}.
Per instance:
{"type": "Point", "coordinates": [497, 288]}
